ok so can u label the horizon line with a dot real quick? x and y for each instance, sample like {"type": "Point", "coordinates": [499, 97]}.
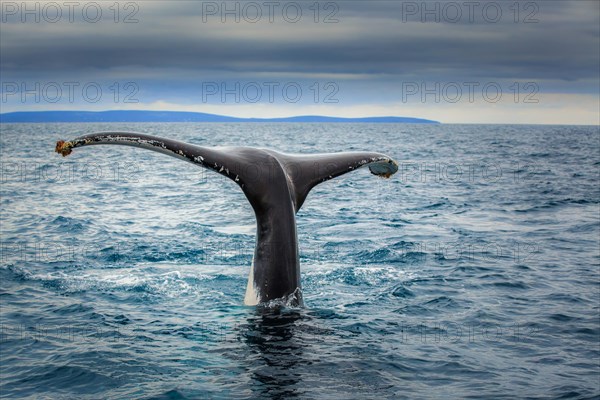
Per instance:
{"type": "Point", "coordinates": [235, 119]}
{"type": "Point", "coordinates": [37, 116]}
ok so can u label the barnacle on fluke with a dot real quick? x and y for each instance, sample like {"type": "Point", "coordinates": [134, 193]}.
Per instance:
{"type": "Point", "coordinates": [64, 148]}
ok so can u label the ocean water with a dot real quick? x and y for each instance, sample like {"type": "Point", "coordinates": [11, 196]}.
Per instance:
{"type": "Point", "coordinates": [471, 273]}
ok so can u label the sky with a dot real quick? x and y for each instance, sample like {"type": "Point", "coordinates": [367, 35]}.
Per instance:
{"type": "Point", "coordinates": [480, 61]}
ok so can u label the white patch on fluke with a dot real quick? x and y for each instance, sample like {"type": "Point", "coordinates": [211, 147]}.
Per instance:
{"type": "Point", "coordinates": [252, 298]}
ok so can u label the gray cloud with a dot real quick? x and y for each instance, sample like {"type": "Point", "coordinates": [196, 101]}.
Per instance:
{"type": "Point", "coordinates": [375, 41]}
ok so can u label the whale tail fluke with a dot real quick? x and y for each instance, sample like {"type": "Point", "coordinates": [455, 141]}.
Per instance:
{"type": "Point", "coordinates": [247, 166]}
{"type": "Point", "coordinates": [275, 184]}
{"type": "Point", "coordinates": [307, 171]}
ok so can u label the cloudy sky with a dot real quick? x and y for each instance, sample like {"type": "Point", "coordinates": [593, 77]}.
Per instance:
{"type": "Point", "coordinates": [455, 62]}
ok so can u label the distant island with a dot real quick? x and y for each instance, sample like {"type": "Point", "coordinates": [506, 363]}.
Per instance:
{"type": "Point", "coordinates": [178, 116]}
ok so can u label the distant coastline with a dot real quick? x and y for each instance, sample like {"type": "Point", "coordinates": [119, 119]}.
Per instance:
{"type": "Point", "coordinates": [178, 116]}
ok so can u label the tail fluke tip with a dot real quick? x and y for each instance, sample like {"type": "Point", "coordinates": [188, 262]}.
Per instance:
{"type": "Point", "coordinates": [384, 169]}
{"type": "Point", "coordinates": [63, 148]}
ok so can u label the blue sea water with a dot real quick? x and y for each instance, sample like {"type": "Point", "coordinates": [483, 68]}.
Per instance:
{"type": "Point", "coordinates": [474, 272]}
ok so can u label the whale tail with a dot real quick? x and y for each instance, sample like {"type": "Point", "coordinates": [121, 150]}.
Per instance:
{"type": "Point", "coordinates": [276, 185]}
{"type": "Point", "coordinates": [245, 165]}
